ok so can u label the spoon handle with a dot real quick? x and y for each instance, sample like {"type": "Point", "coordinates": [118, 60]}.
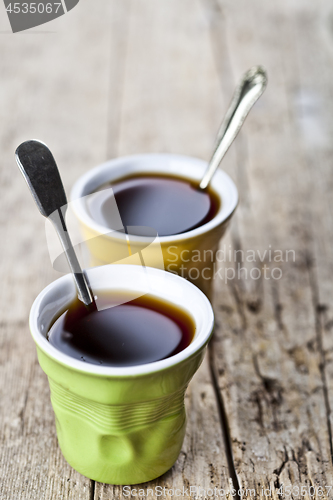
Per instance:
{"type": "Point", "coordinates": [58, 220]}
{"type": "Point", "coordinates": [41, 173]}
{"type": "Point", "coordinates": [246, 94]}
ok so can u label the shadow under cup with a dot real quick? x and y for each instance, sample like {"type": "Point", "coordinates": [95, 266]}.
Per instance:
{"type": "Point", "coordinates": [121, 425]}
{"type": "Point", "coordinates": [192, 254]}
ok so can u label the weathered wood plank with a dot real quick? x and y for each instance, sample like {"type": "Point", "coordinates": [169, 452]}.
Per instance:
{"type": "Point", "coordinates": [172, 102]}
{"type": "Point", "coordinates": [267, 349]}
{"type": "Point", "coordinates": [54, 87]}
{"type": "Point", "coordinates": [171, 98]}
{"type": "Point", "coordinates": [315, 130]}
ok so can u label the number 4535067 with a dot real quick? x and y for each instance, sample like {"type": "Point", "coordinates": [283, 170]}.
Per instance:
{"type": "Point", "coordinates": [33, 8]}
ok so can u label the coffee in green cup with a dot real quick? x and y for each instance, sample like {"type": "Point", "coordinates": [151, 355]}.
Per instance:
{"type": "Point", "coordinates": [121, 424]}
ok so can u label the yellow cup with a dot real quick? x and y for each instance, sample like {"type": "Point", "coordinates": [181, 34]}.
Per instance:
{"type": "Point", "coordinates": [191, 255]}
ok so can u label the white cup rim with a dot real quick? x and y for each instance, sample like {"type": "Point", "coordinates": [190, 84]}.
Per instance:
{"type": "Point", "coordinates": [192, 168]}
{"type": "Point", "coordinates": [62, 291]}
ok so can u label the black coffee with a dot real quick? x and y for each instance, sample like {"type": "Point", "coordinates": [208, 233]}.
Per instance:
{"type": "Point", "coordinates": [140, 331]}
{"type": "Point", "coordinates": [170, 205]}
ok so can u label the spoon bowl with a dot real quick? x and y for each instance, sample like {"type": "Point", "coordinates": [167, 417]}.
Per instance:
{"type": "Point", "coordinates": [41, 173]}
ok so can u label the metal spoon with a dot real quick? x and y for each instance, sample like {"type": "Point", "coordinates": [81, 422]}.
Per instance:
{"type": "Point", "coordinates": [40, 170]}
{"type": "Point", "coordinates": [246, 94]}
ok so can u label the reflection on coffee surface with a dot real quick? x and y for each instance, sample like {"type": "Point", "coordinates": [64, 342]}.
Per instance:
{"type": "Point", "coordinates": [170, 205]}
{"type": "Point", "coordinates": [140, 331]}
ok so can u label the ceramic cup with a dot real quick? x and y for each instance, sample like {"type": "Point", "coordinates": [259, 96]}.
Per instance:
{"type": "Point", "coordinates": [191, 254]}
{"type": "Point", "coordinates": [121, 425]}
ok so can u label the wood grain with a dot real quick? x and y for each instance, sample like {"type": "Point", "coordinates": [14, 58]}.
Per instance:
{"type": "Point", "coordinates": [270, 345]}
{"type": "Point", "coordinates": [169, 46]}
{"type": "Point", "coordinates": [54, 87]}
{"type": "Point", "coordinates": [117, 78]}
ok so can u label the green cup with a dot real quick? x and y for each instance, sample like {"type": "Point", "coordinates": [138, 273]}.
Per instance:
{"type": "Point", "coordinates": [121, 425]}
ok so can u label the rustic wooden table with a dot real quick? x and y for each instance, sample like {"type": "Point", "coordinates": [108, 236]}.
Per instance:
{"type": "Point", "coordinates": [120, 77]}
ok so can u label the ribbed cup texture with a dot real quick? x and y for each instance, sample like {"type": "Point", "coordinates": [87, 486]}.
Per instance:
{"type": "Point", "coordinates": [117, 418]}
